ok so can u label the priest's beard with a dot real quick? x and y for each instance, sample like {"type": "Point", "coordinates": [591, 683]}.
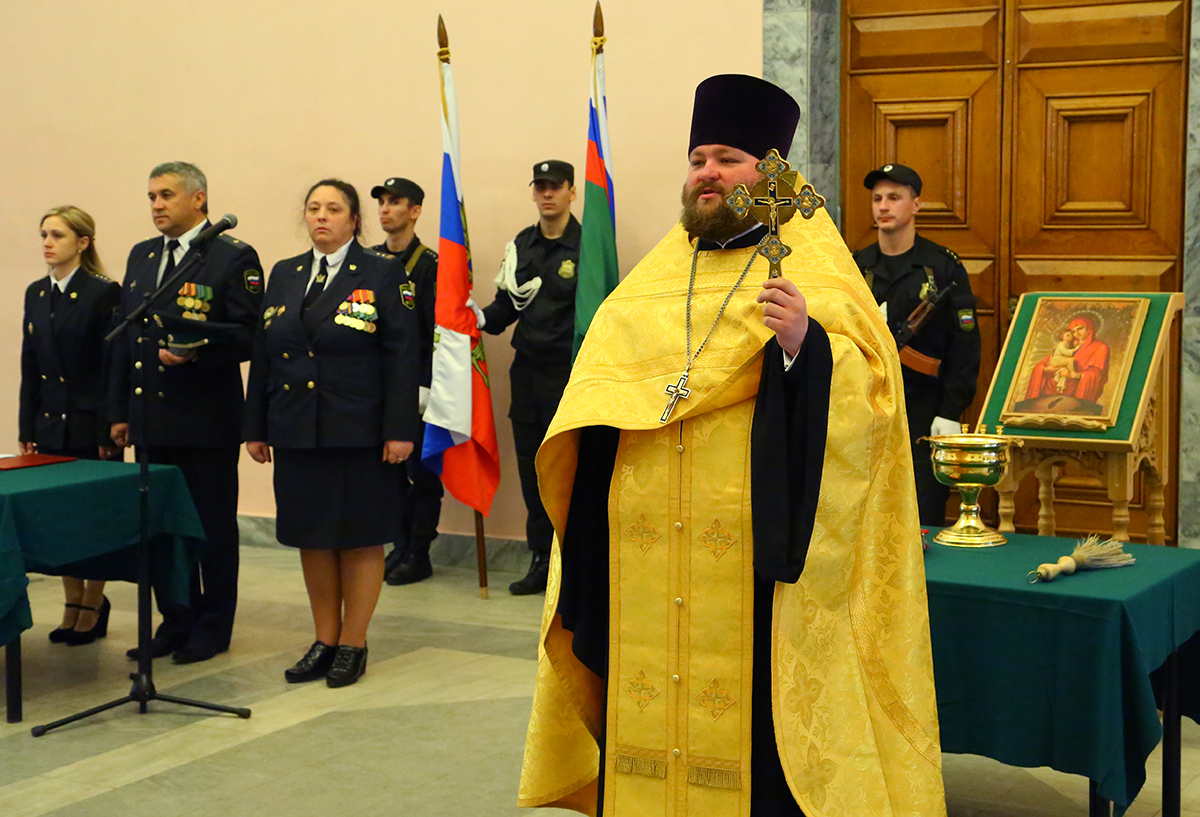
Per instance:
{"type": "Point", "coordinates": [714, 222]}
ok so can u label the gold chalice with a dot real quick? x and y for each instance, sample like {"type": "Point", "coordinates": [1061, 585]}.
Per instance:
{"type": "Point", "coordinates": [970, 462]}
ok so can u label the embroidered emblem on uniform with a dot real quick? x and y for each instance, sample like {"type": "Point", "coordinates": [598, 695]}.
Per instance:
{"type": "Point", "coordinates": [567, 269]}
{"type": "Point", "coordinates": [253, 280]}
{"type": "Point", "coordinates": [715, 698]}
{"type": "Point", "coordinates": [642, 533]}
{"type": "Point", "coordinates": [966, 319]}
{"type": "Point", "coordinates": [642, 690]}
{"type": "Point", "coordinates": [717, 538]}
{"type": "Point", "coordinates": [408, 296]}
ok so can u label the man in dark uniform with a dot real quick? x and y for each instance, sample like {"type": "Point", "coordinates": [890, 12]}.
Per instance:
{"type": "Point", "coordinates": [399, 208]}
{"type": "Point", "coordinates": [940, 360]}
{"type": "Point", "coordinates": [185, 405]}
{"type": "Point", "coordinates": [536, 289]}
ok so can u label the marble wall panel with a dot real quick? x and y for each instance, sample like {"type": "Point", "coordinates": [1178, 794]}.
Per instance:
{"type": "Point", "coordinates": [1189, 442]}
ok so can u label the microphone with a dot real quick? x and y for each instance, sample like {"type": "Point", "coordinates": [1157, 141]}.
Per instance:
{"type": "Point", "coordinates": [227, 222]}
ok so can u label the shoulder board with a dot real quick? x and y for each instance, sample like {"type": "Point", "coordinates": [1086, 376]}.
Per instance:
{"type": "Point", "coordinates": [100, 275]}
{"type": "Point", "coordinates": [226, 237]}
{"type": "Point", "coordinates": [948, 252]}
{"type": "Point", "coordinates": [377, 253]}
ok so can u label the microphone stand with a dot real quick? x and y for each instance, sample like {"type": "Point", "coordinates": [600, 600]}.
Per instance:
{"type": "Point", "coordinates": [143, 690]}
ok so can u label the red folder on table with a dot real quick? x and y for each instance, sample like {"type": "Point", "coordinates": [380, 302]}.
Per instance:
{"type": "Point", "coordinates": [31, 460]}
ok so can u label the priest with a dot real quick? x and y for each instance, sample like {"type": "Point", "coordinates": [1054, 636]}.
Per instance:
{"type": "Point", "coordinates": [736, 621]}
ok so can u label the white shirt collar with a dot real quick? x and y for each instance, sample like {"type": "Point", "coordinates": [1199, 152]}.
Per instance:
{"type": "Point", "coordinates": [187, 238]}
{"type": "Point", "coordinates": [334, 262]}
{"type": "Point", "coordinates": [64, 282]}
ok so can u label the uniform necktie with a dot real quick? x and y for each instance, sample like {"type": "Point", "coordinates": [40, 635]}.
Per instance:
{"type": "Point", "coordinates": [55, 296]}
{"type": "Point", "coordinates": [317, 286]}
{"type": "Point", "coordinates": [172, 246]}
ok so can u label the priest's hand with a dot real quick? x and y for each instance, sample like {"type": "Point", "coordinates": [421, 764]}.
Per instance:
{"type": "Point", "coordinates": [395, 451]}
{"type": "Point", "coordinates": [785, 312]}
{"type": "Point", "coordinates": [260, 452]}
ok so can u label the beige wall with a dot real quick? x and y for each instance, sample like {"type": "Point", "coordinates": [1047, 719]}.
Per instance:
{"type": "Point", "coordinates": [268, 97]}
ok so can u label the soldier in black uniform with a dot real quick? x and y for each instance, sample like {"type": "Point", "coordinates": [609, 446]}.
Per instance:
{"type": "Point", "coordinates": [536, 290]}
{"type": "Point", "coordinates": [399, 208]}
{"type": "Point", "coordinates": [67, 314]}
{"type": "Point", "coordinates": [333, 389]}
{"type": "Point", "coordinates": [941, 360]}
{"type": "Point", "coordinates": [186, 407]}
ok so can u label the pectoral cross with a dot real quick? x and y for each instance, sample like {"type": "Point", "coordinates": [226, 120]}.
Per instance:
{"type": "Point", "coordinates": [678, 392]}
{"type": "Point", "coordinates": [773, 202]}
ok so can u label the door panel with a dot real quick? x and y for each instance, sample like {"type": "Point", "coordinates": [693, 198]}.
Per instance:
{"type": "Point", "coordinates": [1049, 135]}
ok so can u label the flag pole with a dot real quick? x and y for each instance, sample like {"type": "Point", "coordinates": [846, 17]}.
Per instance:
{"type": "Point", "coordinates": [480, 542]}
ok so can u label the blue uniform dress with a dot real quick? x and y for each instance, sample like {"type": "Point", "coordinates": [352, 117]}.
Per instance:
{"type": "Point", "coordinates": [63, 365]}
{"type": "Point", "coordinates": [327, 387]}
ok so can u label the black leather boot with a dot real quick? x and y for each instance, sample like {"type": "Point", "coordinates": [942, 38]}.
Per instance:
{"type": "Point", "coordinates": [535, 579]}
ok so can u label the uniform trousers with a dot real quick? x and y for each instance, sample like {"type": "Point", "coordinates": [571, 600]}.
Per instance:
{"type": "Point", "coordinates": [422, 506]}
{"type": "Point", "coordinates": [212, 478]}
{"type": "Point", "coordinates": [537, 388]}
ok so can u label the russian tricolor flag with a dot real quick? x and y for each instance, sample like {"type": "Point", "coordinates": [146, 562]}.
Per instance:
{"type": "Point", "coordinates": [460, 431]}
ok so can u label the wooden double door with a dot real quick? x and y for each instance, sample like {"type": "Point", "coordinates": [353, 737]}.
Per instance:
{"type": "Point", "coordinates": [1049, 135]}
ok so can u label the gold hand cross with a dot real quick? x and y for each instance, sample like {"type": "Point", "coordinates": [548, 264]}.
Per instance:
{"type": "Point", "coordinates": [773, 201]}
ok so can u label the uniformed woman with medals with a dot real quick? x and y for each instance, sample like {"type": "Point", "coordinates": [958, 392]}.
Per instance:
{"type": "Point", "coordinates": [67, 314]}
{"type": "Point", "coordinates": [332, 400]}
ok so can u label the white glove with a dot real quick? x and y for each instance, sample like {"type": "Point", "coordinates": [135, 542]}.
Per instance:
{"type": "Point", "coordinates": [422, 398]}
{"type": "Point", "coordinates": [942, 426]}
{"type": "Point", "coordinates": [480, 318]}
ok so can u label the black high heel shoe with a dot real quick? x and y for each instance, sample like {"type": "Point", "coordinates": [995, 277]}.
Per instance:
{"type": "Point", "coordinates": [59, 634]}
{"type": "Point", "coordinates": [75, 638]}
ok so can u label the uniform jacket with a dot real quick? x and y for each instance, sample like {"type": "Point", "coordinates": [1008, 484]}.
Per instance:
{"type": "Point", "coordinates": [319, 382]}
{"type": "Point", "coordinates": [951, 334]}
{"type": "Point", "coordinates": [198, 403]}
{"type": "Point", "coordinates": [423, 279]}
{"type": "Point", "coordinates": [546, 328]}
{"type": "Point", "coordinates": [63, 357]}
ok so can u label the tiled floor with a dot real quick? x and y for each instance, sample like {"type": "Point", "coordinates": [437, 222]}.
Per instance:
{"type": "Point", "coordinates": [435, 728]}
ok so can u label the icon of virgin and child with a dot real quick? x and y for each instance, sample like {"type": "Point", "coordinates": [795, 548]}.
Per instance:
{"type": "Point", "coordinates": [1071, 379]}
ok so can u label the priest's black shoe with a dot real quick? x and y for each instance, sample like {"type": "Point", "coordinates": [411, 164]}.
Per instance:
{"type": "Point", "coordinates": [159, 647]}
{"type": "Point", "coordinates": [535, 579]}
{"type": "Point", "coordinates": [349, 665]}
{"type": "Point", "coordinates": [415, 568]}
{"type": "Point", "coordinates": [315, 664]}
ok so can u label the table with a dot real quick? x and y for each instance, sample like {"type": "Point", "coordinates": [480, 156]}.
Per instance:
{"type": "Point", "coordinates": [81, 519]}
{"type": "Point", "coordinates": [1059, 674]}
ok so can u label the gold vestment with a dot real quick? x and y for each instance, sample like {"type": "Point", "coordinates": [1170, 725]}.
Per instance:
{"type": "Point", "coordinates": [852, 683]}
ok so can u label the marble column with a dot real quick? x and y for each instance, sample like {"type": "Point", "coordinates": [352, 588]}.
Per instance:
{"type": "Point", "coordinates": [802, 54]}
{"type": "Point", "coordinates": [1189, 409]}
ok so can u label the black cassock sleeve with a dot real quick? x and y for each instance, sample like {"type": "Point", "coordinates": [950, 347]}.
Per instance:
{"type": "Point", "coordinates": [786, 483]}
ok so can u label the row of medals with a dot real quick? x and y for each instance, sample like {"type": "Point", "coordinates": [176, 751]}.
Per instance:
{"type": "Point", "coordinates": [358, 316]}
{"type": "Point", "coordinates": [194, 298]}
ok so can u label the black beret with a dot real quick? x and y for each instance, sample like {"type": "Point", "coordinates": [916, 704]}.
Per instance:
{"type": "Point", "coordinates": [743, 112]}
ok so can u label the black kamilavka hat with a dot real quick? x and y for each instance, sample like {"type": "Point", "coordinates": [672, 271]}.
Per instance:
{"type": "Point", "coordinates": [743, 112]}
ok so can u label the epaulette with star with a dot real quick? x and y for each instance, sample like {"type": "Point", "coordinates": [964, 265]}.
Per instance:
{"type": "Point", "coordinates": [378, 254]}
{"type": "Point", "coordinates": [98, 274]}
{"type": "Point", "coordinates": [949, 252]}
{"type": "Point", "coordinates": [237, 242]}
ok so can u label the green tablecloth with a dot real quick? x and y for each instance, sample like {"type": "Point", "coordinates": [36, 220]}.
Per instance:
{"type": "Point", "coordinates": [82, 519]}
{"type": "Point", "coordinates": [1059, 674]}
